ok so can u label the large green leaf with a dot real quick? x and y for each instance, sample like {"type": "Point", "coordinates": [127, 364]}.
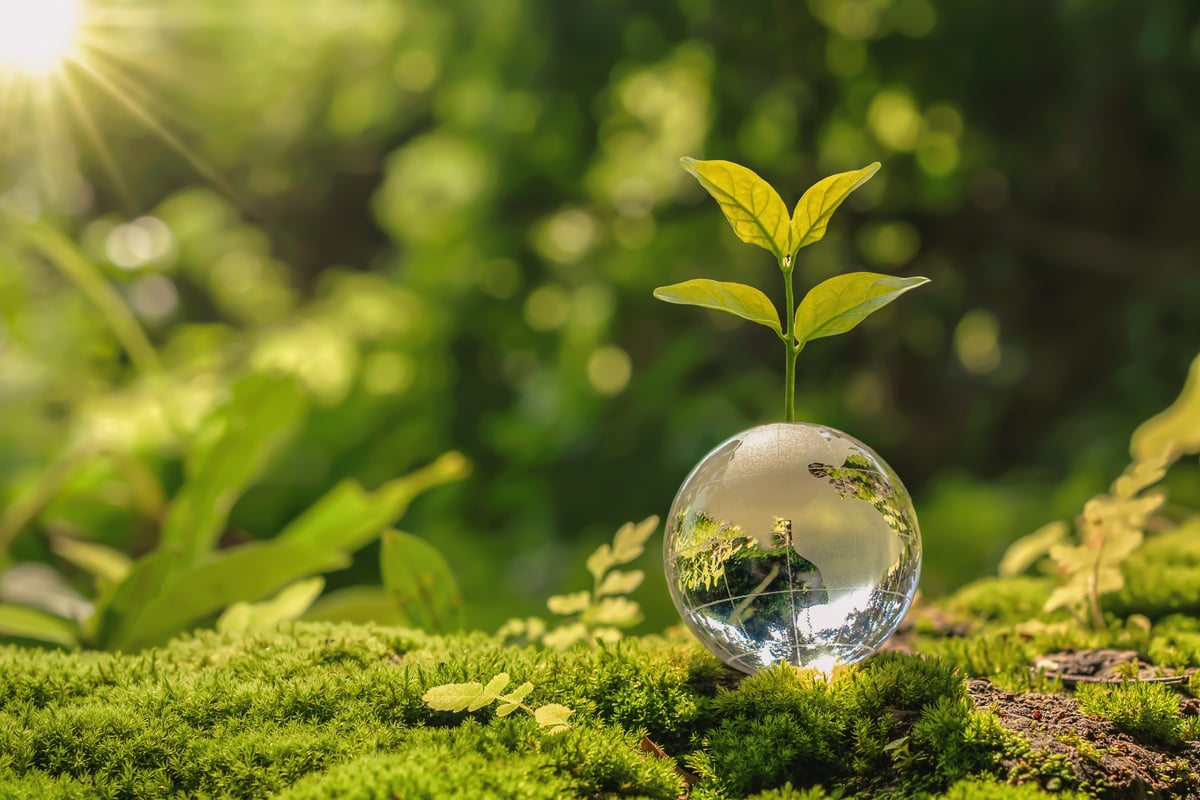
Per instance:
{"type": "Point", "coordinates": [838, 304]}
{"type": "Point", "coordinates": [118, 607]}
{"type": "Point", "coordinates": [245, 573]}
{"type": "Point", "coordinates": [230, 451]}
{"type": "Point", "coordinates": [361, 604]}
{"type": "Point", "coordinates": [812, 213]}
{"type": "Point", "coordinates": [420, 582]}
{"type": "Point", "coordinates": [21, 622]}
{"type": "Point", "coordinates": [753, 208]}
{"type": "Point", "coordinates": [291, 602]}
{"type": "Point", "coordinates": [735, 298]}
{"type": "Point", "coordinates": [1176, 430]}
{"type": "Point", "coordinates": [348, 517]}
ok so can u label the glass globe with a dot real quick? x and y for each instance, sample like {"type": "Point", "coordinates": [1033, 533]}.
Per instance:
{"type": "Point", "coordinates": [792, 542]}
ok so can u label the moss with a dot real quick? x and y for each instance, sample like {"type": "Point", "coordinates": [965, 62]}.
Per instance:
{"type": "Point", "coordinates": [1148, 712]}
{"type": "Point", "coordinates": [321, 710]}
{"type": "Point", "coordinates": [980, 789]}
{"type": "Point", "coordinates": [1001, 599]}
{"type": "Point", "coordinates": [1163, 576]}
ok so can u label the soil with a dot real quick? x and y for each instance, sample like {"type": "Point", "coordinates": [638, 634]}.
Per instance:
{"type": "Point", "coordinates": [1110, 763]}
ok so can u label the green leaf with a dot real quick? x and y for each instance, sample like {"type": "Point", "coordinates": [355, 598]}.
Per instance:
{"type": "Point", "coordinates": [504, 709]}
{"type": "Point", "coordinates": [566, 636]}
{"type": "Point", "coordinates": [245, 573]}
{"type": "Point", "coordinates": [361, 604]}
{"type": "Point", "coordinates": [1176, 430]}
{"type": "Point", "coordinates": [1140, 475]}
{"type": "Point", "coordinates": [481, 701]}
{"type": "Point", "coordinates": [497, 684]}
{"type": "Point", "coordinates": [753, 208]}
{"type": "Point", "coordinates": [349, 518]}
{"type": "Point", "coordinates": [291, 602]}
{"type": "Point", "coordinates": [118, 608]}
{"type": "Point", "coordinates": [21, 622]}
{"type": "Point", "coordinates": [1024, 552]}
{"type": "Point", "coordinates": [566, 604]}
{"type": "Point", "coordinates": [237, 619]}
{"type": "Point", "coordinates": [814, 209]}
{"type": "Point", "coordinates": [553, 717]}
{"type": "Point", "coordinates": [616, 611]}
{"type": "Point", "coordinates": [453, 696]}
{"type": "Point", "coordinates": [630, 540]}
{"type": "Point", "coordinates": [420, 582]}
{"type": "Point", "coordinates": [231, 450]}
{"type": "Point", "coordinates": [621, 582]}
{"type": "Point", "coordinates": [108, 566]}
{"type": "Point", "coordinates": [735, 298]}
{"type": "Point", "coordinates": [840, 303]}
{"type": "Point", "coordinates": [520, 693]}
{"type": "Point", "coordinates": [600, 561]}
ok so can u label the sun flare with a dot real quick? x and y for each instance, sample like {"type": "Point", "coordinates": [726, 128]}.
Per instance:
{"type": "Point", "coordinates": [37, 35]}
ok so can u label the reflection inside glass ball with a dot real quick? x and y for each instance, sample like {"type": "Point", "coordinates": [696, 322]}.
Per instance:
{"type": "Point", "coordinates": [792, 542]}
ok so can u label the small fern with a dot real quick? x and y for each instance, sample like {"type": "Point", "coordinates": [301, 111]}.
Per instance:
{"type": "Point", "coordinates": [474, 695]}
{"type": "Point", "coordinates": [598, 615]}
{"type": "Point", "coordinates": [1111, 527]}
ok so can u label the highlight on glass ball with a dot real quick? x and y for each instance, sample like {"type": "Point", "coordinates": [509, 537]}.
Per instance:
{"type": "Point", "coordinates": [792, 542]}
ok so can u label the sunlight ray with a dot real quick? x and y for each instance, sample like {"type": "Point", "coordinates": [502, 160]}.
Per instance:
{"type": "Point", "coordinates": [107, 160]}
{"type": "Point", "coordinates": [156, 127]}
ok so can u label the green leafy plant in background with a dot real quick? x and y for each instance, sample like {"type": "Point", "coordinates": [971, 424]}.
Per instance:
{"type": "Point", "coordinates": [187, 578]}
{"type": "Point", "coordinates": [473, 696]}
{"type": "Point", "coordinates": [759, 217]}
{"type": "Point", "coordinates": [603, 612]}
{"type": "Point", "coordinates": [1113, 525]}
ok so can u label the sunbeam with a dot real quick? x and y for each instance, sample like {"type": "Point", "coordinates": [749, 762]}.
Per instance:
{"type": "Point", "coordinates": [35, 37]}
{"type": "Point", "coordinates": [61, 61]}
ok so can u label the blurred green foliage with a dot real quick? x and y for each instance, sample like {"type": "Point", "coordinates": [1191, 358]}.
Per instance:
{"type": "Point", "coordinates": [443, 220]}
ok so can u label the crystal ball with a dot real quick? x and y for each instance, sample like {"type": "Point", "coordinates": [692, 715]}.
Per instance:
{"type": "Point", "coordinates": [792, 542]}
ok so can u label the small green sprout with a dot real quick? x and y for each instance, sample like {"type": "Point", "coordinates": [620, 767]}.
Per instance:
{"type": "Point", "coordinates": [474, 696]}
{"type": "Point", "coordinates": [759, 216]}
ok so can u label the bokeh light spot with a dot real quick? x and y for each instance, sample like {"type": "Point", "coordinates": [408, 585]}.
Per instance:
{"type": "Point", "coordinates": [547, 308]}
{"type": "Point", "coordinates": [889, 244]}
{"type": "Point", "coordinates": [415, 70]}
{"type": "Point", "coordinates": [914, 18]}
{"type": "Point", "coordinates": [565, 236]}
{"type": "Point", "coordinates": [894, 120]}
{"type": "Point", "coordinates": [609, 369]}
{"type": "Point", "coordinates": [977, 341]}
{"type": "Point", "coordinates": [937, 154]}
{"type": "Point", "coordinates": [387, 373]}
{"type": "Point", "coordinates": [139, 243]}
{"type": "Point", "coordinates": [154, 297]}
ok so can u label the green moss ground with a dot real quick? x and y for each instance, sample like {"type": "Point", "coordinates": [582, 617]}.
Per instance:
{"type": "Point", "coordinates": [318, 710]}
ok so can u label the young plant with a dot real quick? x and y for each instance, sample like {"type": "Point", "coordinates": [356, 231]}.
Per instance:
{"type": "Point", "coordinates": [474, 696]}
{"type": "Point", "coordinates": [1112, 526]}
{"type": "Point", "coordinates": [599, 614]}
{"type": "Point", "coordinates": [758, 216]}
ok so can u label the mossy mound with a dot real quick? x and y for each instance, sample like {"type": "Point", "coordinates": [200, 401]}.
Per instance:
{"type": "Point", "coordinates": [318, 710]}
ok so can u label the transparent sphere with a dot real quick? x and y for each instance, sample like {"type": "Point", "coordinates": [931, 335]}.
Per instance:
{"type": "Point", "coordinates": [792, 542]}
